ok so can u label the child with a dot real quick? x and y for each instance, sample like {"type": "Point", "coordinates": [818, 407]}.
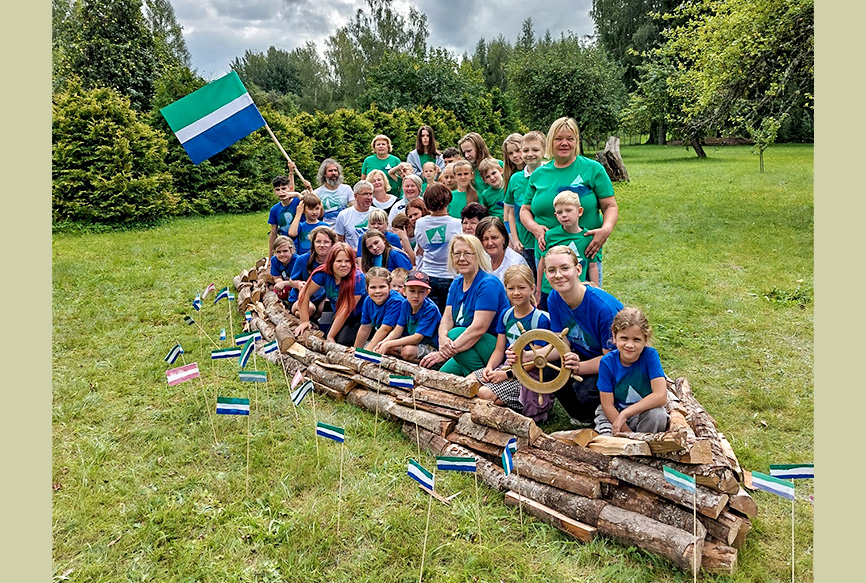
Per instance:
{"type": "Point", "coordinates": [398, 280]}
{"type": "Point", "coordinates": [513, 159]}
{"type": "Point", "coordinates": [447, 177]}
{"type": "Point", "coordinates": [465, 192]}
{"type": "Point", "coordinates": [282, 213]}
{"type": "Point", "coordinates": [282, 263]}
{"type": "Point", "coordinates": [568, 210]}
{"type": "Point", "coordinates": [494, 196]}
{"type": "Point", "coordinates": [471, 215]}
{"type": "Point", "coordinates": [379, 220]}
{"type": "Point", "coordinates": [416, 333]}
{"type": "Point", "coordinates": [383, 160]}
{"type": "Point", "coordinates": [429, 172]}
{"type": "Point", "coordinates": [631, 382]}
{"type": "Point", "coordinates": [311, 209]}
{"type": "Point", "coordinates": [498, 381]}
{"type": "Point", "coordinates": [532, 153]}
{"type": "Point", "coordinates": [376, 251]}
{"type": "Point", "coordinates": [322, 239]}
{"type": "Point", "coordinates": [380, 309]}
{"type": "Point", "coordinates": [450, 155]}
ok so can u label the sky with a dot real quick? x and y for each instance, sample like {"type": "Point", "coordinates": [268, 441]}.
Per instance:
{"type": "Point", "coordinates": [217, 31]}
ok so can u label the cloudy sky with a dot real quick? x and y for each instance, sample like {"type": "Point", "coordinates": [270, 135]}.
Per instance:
{"type": "Point", "coordinates": [217, 31]}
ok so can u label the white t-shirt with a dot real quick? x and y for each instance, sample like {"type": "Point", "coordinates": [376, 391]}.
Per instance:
{"type": "Point", "coordinates": [352, 224]}
{"type": "Point", "coordinates": [333, 201]}
{"type": "Point", "coordinates": [512, 257]}
{"type": "Point", "coordinates": [399, 207]}
{"type": "Point", "coordinates": [432, 234]}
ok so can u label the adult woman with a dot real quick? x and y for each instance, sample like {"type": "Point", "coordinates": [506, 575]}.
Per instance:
{"type": "Point", "coordinates": [382, 199]}
{"type": "Point", "coordinates": [345, 286]}
{"type": "Point", "coordinates": [322, 238]}
{"type": "Point", "coordinates": [432, 235]}
{"type": "Point", "coordinates": [474, 150]}
{"type": "Point", "coordinates": [381, 159]}
{"type": "Point", "coordinates": [425, 151]}
{"type": "Point", "coordinates": [588, 313]}
{"type": "Point", "coordinates": [494, 238]}
{"type": "Point", "coordinates": [411, 191]}
{"type": "Point", "coordinates": [568, 170]}
{"type": "Point", "coordinates": [467, 332]}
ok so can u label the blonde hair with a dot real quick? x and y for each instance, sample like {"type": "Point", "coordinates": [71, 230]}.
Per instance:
{"type": "Point", "coordinates": [400, 272]}
{"type": "Point", "coordinates": [563, 250]}
{"type": "Point", "coordinates": [567, 197]}
{"type": "Point", "coordinates": [377, 216]}
{"type": "Point", "coordinates": [509, 167]}
{"type": "Point", "coordinates": [487, 164]}
{"type": "Point", "coordinates": [471, 193]}
{"type": "Point", "coordinates": [282, 241]}
{"type": "Point", "coordinates": [385, 180]}
{"type": "Point", "coordinates": [379, 272]}
{"type": "Point", "coordinates": [556, 127]}
{"type": "Point", "coordinates": [381, 137]}
{"type": "Point", "coordinates": [520, 272]}
{"type": "Point", "coordinates": [628, 317]}
{"type": "Point", "coordinates": [472, 241]}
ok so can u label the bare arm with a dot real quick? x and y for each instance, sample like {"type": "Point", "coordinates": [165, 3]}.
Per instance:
{"type": "Point", "coordinates": [271, 238]}
{"type": "Point", "coordinates": [296, 220]}
{"type": "Point", "coordinates": [303, 304]}
{"type": "Point", "coordinates": [657, 398]}
{"type": "Point", "coordinates": [610, 215]}
{"type": "Point", "coordinates": [362, 335]}
{"type": "Point", "coordinates": [533, 227]}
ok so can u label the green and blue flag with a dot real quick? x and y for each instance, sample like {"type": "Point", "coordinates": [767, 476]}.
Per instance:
{"type": "Point", "coordinates": [330, 432]}
{"type": "Point", "coordinates": [231, 406]}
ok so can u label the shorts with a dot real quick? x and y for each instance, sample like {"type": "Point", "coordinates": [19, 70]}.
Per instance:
{"type": "Point", "coordinates": [508, 391]}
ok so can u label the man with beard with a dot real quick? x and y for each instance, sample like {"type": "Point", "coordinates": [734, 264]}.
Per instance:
{"type": "Point", "coordinates": [335, 195]}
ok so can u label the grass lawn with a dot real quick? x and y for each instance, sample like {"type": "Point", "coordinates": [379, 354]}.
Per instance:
{"type": "Point", "coordinates": [719, 255]}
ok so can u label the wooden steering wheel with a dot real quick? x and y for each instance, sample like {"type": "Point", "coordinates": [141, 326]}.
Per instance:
{"type": "Point", "coordinates": [539, 361]}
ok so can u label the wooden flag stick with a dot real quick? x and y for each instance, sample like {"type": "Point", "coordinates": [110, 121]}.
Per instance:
{"type": "Point", "coordinates": [695, 529]}
{"type": "Point", "coordinates": [376, 417]}
{"type": "Point", "coordinates": [288, 386]}
{"type": "Point", "coordinates": [340, 489]}
{"type": "Point", "coordinates": [268, 397]}
{"type": "Point", "coordinates": [315, 423]}
{"type": "Point", "coordinates": [477, 506]}
{"type": "Point", "coordinates": [205, 334]}
{"type": "Point", "coordinates": [256, 368]}
{"type": "Point", "coordinates": [283, 152]}
{"type": "Point", "coordinates": [792, 537]}
{"type": "Point", "coordinates": [417, 432]}
{"type": "Point", "coordinates": [426, 526]}
{"type": "Point", "coordinates": [231, 326]}
{"type": "Point", "coordinates": [204, 394]}
{"type": "Point", "coordinates": [248, 455]}
{"type": "Point", "coordinates": [519, 495]}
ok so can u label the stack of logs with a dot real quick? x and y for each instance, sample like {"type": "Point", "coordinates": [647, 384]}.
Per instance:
{"type": "Point", "coordinates": [576, 481]}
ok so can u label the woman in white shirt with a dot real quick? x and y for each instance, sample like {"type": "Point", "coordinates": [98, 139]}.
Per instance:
{"type": "Point", "coordinates": [494, 238]}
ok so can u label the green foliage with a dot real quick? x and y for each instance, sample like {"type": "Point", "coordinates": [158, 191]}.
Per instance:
{"type": "Point", "coordinates": [491, 58]}
{"type": "Point", "coordinates": [317, 88]}
{"type": "Point", "coordinates": [273, 71]}
{"type": "Point", "coordinates": [171, 50]}
{"type": "Point", "coordinates": [108, 164]}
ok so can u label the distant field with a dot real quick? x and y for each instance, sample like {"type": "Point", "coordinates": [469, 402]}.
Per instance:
{"type": "Point", "coordinates": [719, 255]}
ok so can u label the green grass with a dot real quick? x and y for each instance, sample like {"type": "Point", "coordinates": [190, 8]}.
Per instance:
{"type": "Point", "coordinates": [718, 255]}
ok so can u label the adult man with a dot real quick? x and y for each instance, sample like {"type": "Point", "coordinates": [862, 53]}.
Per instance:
{"type": "Point", "coordinates": [351, 223]}
{"type": "Point", "coordinates": [335, 195]}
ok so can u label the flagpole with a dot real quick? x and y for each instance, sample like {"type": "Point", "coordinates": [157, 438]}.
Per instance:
{"type": "Point", "coordinates": [376, 417]}
{"type": "Point", "coordinates": [695, 529]}
{"type": "Point", "coordinates": [792, 537]}
{"type": "Point", "coordinates": [248, 455]}
{"type": "Point", "coordinates": [417, 432]}
{"type": "Point", "coordinates": [340, 488]}
{"type": "Point", "coordinates": [426, 527]}
{"type": "Point", "coordinates": [204, 394]}
{"type": "Point", "coordinates": [288, 386]}
{"type": "Point", "coordinates": [280, 146]}
{"type": "Point", "coordinates": [268, 395]}
{"type": "Point", "coordinates": [231, 326]}
{"type": "Point", "coordinates": [256, 368]}
{"type": "Point", "coordinates": [205, 334]}
{"type": "Point", "coordinates": [315, 421]}
{"type": "Point", "coordinates": [519, 495]}
{"type": "Point", "coordinates": [478, 506]}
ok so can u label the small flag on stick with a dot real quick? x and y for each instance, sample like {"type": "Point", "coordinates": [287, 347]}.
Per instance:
{"type": "Point", "coordinates": [189, 321]}
{"type": "Point", "coordinates": [330, 432]}
{"type": "Point", "coordinates": [511, 445]}
{"type": "Point", "coordinates": [679, 480]}
{"type": "Point", "coordinates": [246, 351]}
{"type": "Point", "coordinates": [243, 337]}
{"type": "Point", "coordinates": [271, 346]}
{"type": "Point", "coordinates": [211, 119]}
{"type": "Point", "coordinates": [401, 381]}
{"type": "Point", "coordinates": [230, 406]}
{"type": "Point", "coordinates": [373, 357]}
{"type": "Point", "coordinates": [231, 297]}
{"type": "Point", "coordinates": [173, 354]}
{"type": "Point", "coordinates": [225, 353]}
{"type": "Point", "coordinates": [223, 293]}
{"type": "Point", "coordinates": [782, 488]}
{"type": "Point", "coordinates": [223, 334]}
{"type": "Point", "coordinates": [302, 392]}
{"type": "Point", "coordinates": [417, 472]}
{"type": "Point", "coordinates": [455, 464]}
{"type": "Point", "coordinates": [253, 376]}
{"type": "Point", "coordinates": [792, 471]}
{"type": "Point", "coordinates": [181, 374]}
{"type": "Point", "coordinates": [248, 316]}
{"type": "Point", "coordinates": [207, 290]}
{"type": "Point", "coordinates": [507, 461]}
{"type": "Point", "coordinates": [196, 303]}
{"type": "Point", "coordinates": [297, 378]}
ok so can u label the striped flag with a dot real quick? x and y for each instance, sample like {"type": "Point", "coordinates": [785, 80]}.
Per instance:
{"type": "Point", "coordinates": [782, 488]}
{"type": "Point", "coordinates": [243, 337]}
{"type": "Point", "coordinates": [679, 480]}
{"type": "Point", "coordinates": [419, 474]}
{"type": "Point", "coordinates": [302, 392]}
{"type": "Point", "coordinates": [173, 354]}
{"type": "Point", "coordinates": [511, 445]}
{"type": "Point", "coordinates": [792, 471]}
{"type": "Point", "coordinates": [223, 334]}
{"type": "Point", "coordinates": [507, 461]}
{"type": "Point", "coordinates": [207, 290]}
{"type": "Point", "coordinates": [225, 353]}
{"type": "Point", "coordinates": [373, 357]}
{"type": "Point", "coordinates": [271, 346]}
{"type": "Point", "coordinates": [211, 119]}
{"type": "Point", "coordinates": [403, 382]}
{"type": "Point", "coordinates": [246, 351]}
{"type": "Point", "coordinates": [231, 297]}
{"type": "Point", "coordinates": [189, 321]}
{"type": "Point", "coordinates": [248, 316]}
{"type": "Point", "coordinates": [455, 464]}
{"type": "Point", "coordinates": [253, 376]}
{"type": "Point", "coordinates": [181, 374]}
{"type": "Point", "coordinates": [196, 303]}
{"type": "Point", "coordinates": [297, 378]}
{"type": "Point", "coordinates": [230, 406]}
{"type": "Point", "coordinates": [223, 293]}
{"type": "Point", "coordinates": [331, 432]}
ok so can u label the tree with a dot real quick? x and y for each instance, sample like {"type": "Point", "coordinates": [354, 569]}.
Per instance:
{"type": "Point", "coordinates": [526, 40]}
{"type": "Point", "coordinates": [317, 88]}
{"type": "Point", "coordinates": [492, 60]}
{"type": "Point", "coordinates": [167, 33]}
{"type": "Point", "coordinates": [273, 71]}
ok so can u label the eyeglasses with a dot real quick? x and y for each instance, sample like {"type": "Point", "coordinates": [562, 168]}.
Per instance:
{"type": "Point", "coordinates": [459, 254]}
{"type": "Point", "coordinates": [551, 271]}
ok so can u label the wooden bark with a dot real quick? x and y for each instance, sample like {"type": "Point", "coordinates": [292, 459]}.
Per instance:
{"type": "Point", "coordinates": [529, 466]}
{"type": "Point", "coordinates": [258, 291]}
{"type": "Point", "coordinates": [284, 336]}
{"type": "Point", "coordinates": [571, 465]}
{"type": "Point", "coordinates": [326, 390]}
{"type": "Point", "coordinates": [698, 451]}
{"type": "Point", "coordinates": [743, 502]}
{"type": "Point", "coordinates": [261, 262]}
{"type": "Point", "coordinates": [611, 159]}
{"type": "Point", "coordinates": [442, 399]}
{"type": "Point", "coordinates": [441, 426]}
{"type": "Point", "coordinates": [245, 275]}
{"type": "Point", "coordinates": [331, 380]}
{"type": "Point", "coordinates": [579, 437]}
{"type": "Point", "coordinates": [642, 502]}
{"type": "Point", "coordinates": [267, 277]}
{"type": "Point", "coordinates": [433, 378]}
{"type": "Point", "coordinates": [666, 442]}
{"type": "Point", "coordinates": [236, 281]}
{"type": "Point", "coordinates": [728, 451]}
{"type": "Point", "coordinates": [484, 433]}
{"type": "Point", "coordinates": [708, 503]}
{"type": "Point", "coordinates": [725, 528]}
{"type": "Point", "coordinates": [270, 299]}
{"type": "Point", "coordinates": [244, 298]}
{"type": "Point", "coordinates": [474, 444]}
{"type": "Point", "coordinates": [406, 401]}
{"type": "Point", "coordinates": [745, 527]}
{"type": "Point", "coordinates": [580, 531]}
{"type": "Point", "coordinates": [616, 446]}
{"type": "Point", "coordinates": [504, 419]}
{"type": "Point", "coordinates": [573, 505]}
{"type": "Point", "coordinates": [263, 326]}
{"type": "Point", "coordinates": [581, 454]}
{"type": "Point", "coordinates": [720, 479]}
{"type": "Point", "coordinates": [718, 558]}
{"type": "Point", "coordinates": [372, 402]}
{"type": "Point", "coordinates": [702, 422]}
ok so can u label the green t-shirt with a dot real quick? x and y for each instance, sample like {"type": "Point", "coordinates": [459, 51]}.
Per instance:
{"type": "Point", "coordinates": [480, 185]}
{"type": "Point", "coordinates": [374, 163]}
{"type": "Point", "coordinates": [493, 199]}
{"type": "Point", "coordinates": [514, 194]}
{"type": "Point", "coordinates": [577, 242]}
{"type": "Point", "coordinates": [426, 158]}
{"type": "Point", "coordinates": [591, 181]}
{"type": "Point", "coordinates": [457, 204]}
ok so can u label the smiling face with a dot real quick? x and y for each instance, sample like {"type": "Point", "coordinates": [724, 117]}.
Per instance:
{"type": "Point", "coordinates": [463, 175]}
{"type": "Point", "coordinates": [378, 289]}
{"type": "Point", "coordinates": [514, 154]}
{"type": "Point", "coordinates": [343, 264]}
{"type": "Point", "coordinates": [469, 225]}
{"type": "Point", "coordinates": [465, 260]}
{"type": "Point", "coordinates": [564, 146]}
{"type": "Point", "coordinates": [468, 149]}
{"type": "Point", "coordinates": [381, 148]}
{"type": "Point", "coordinates": [322, 244]}
{"type": "Point", "coordinates": [494, 243]}
{"type": "Point", "coordinates": [561, 271]}
{"type": "Point", "coordinates": [532, 152]}
{"type": "Point", "coordinates": [283, 253]}
{"type": "Point", "coordinates": [363, 199]}
{"type": "Point", "coordinates": [378, 182]}
{"type": "Point", "coordinates": [519, 291]}
{"type": "Point", "coordinates": [410, 189]}
{"type": "Point", "coordinates": [375, 245]}
{"type": "Point", "coordinates": [414, 214]}
{"type": "Point", "coordinates": [493, 177]}
{"type": "Point", "coordinates": [630, 342]}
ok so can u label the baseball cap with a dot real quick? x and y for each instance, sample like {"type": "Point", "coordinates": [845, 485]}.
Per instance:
{"type": "Point", "coordinates": [418, 278]}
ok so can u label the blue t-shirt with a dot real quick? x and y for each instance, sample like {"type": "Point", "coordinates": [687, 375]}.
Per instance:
{"type": "Point", "coordinates": [282, 270]}
{"type": "Point", "coordinates": [299, 272]}
{"type": "Point", "coordinates": [282, 216]}
{"type": "Point", "coordinates": [303, 242]}
{"type": "Point", "coordinates": [629, 384]}
{"type": "Point", "coordinates": [507, 324]}
{"type": "Point", "coordinates": [377, 316]}
{"type": "Point", "coordinates": [332, 290]}
{"type": "Point", "coordinates": [425, 322]}
{"type": "Point", "coordinates": [393, 239]}
{"type": "Point", "coordinates": [486, 294]}
{"type": "Point", "coordinates": [588, 324]}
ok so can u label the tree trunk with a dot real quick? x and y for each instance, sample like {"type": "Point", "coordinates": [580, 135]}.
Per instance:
{"type": "Point", "coordinates": [611, 159]}
{"type": "Point", "coordinates": [442, 399]}
{"type": "Point", "coordinates": [637, 500]}
{"type": "Point", "coordinates": [465, 426]}
{"type": "Point", "coordinates": [699, 147]}
{"type": "Point", "coordinates": [581, 454]}
{"type": "Point", "coordinates": [580, 531]}
{"type": "Point", "coordinates": [718, 558]}
{"type": "Point", "coordinates": [573, 466]}
{"type": "Point", "coordinates": [504, 419]}
{"type": "Point", "coordinates": [529, 466]}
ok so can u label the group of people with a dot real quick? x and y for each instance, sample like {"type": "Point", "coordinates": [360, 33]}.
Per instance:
{"type": "Point", "coordinates": [444, 258]}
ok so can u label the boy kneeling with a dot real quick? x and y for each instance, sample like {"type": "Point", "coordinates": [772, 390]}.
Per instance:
{"type": "Point", "coordinates": [416, 333]}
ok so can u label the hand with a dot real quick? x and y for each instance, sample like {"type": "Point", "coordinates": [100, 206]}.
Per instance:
{"type": "Point", "coordinates": [515, 244]}
{"type": "Point", "coordinates": [539, 236]}
{"type": "Point", "coordinates": [599, 236]}
{"type": "Point", "coordinates": [302, 327]}
{"type": "Point", "coordinates": [446, 347]}
{"type": "Point", "coordinates": [620, 425]}
{"type": "Point", "coordinates": [381, 347]}
{"type": "Point", "coordinates": [572, 361]}
{"type": "Point", "coordinates": [510, 357]}
{"type": "Point", "coordinates": [486, 374]}
{"type": "Point", "coordinates": [498, 376]}
{"type": "Point", "coordinates": [307, 185]}
{"type": "Point", "coordinates": [330, 339]}
{"type": "Point", "coordinates": [538, 296]}
{"type": "Point", "coordinates": [300, 208]}
{"type": "Point", "coordinates": [431, 359]}
{"type": "Point", "coordinates": [291, 166]}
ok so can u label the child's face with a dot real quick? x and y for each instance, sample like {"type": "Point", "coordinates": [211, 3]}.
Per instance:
{"type": "Point", "coordinates": [284, 254]}
{"type": "Point", "coordinates": [450, 159]}
{"type": "Point", "coordinates": [519, 291]}
{"type": "Point", "coordinates": [493, 177]}
{"type": "Point", "coordinates": [416, 295]}
{"type": "Point", "coordinates": [514, 154]}
{"type": "Point", "coordinates": [468, 149]}
{"type": "Point", "coordinates": [463, 175]}
{"type": "Point", "coordinates": [561, 272]}
{"type": "Point", "coordinates": [322, 244]}
{"type": "Point", "coordinates": [429, 173]}
{"type": "Point", "coordinates": [312, 213]}
{"type": "Point", "coordinates": [448, 179]}
{"type": "Point", "coordinates": [568, 214]}
{"type": "Point", "coordinates": [378, 289]}
{"type": "Point", "coordinates": [282, 192]}
{"type": "Point", "coordinates": [469, 225]}
{"type": "Point", "coordinates": [381, 148]}
{"type": "Point", "coordinates": [378, 225]}
{"type": "Point", "coordinates": [630, 342]}
{"type": "Point", "coordinates": [398, 284]}
{"type": "Point", "coordinates": [375, 245]}
{"type": "Point", "coordinates": [414, 214]}
{"type": "Point", "coordinates": [532, 153]}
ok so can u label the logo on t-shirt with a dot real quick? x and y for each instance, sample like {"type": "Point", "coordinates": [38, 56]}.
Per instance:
{"type": "Point", "coordinates": [436, 236]}
{"type": "Point", "coordinates": [632, 396]}
{"type": "Point", "coordinates": [575, 336]}
{"type": "Point", "coordinates": [387, 166]}
{"type": "Point", "coordinates": [459, 318]}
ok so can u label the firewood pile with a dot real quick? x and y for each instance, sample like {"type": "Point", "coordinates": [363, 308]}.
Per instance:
{"type": "Point", "coordinates": [577, 481]}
